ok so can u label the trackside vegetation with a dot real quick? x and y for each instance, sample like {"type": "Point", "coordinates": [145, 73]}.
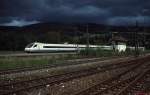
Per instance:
{"type": "Point", "coordinates": [108, 53]}
{"type": "Point", "coordinates": [39, 61]}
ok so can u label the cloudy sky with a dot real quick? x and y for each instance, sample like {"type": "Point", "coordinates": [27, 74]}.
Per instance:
{"type": "Point", "coordinates": [114, 12]}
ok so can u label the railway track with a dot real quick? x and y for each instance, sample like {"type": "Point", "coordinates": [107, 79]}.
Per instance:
{"type": "Point", "coordinates": [18, 86]}
{"type": "Point", "coordinates": [139, 85]}
{"type": "Point", "coordinates": [61, 64]}
{"type": "Point", "coordinates": [115, 84]}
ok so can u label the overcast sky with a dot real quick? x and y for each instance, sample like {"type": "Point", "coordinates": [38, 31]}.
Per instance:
{"type": "Point", "coordinates": [115, 12]}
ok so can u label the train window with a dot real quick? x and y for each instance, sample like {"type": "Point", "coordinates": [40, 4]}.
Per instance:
{"type": "Point", "coordinates": [47, 47]}
{"type": "Point", "coordinates": [60, 47]}
{"type": "Point", "coordinates": [35, 46]}
{"type": "Point", "coordinates": [57, 47]}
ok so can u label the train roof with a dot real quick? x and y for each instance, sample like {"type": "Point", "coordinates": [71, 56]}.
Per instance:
{"type": "Point", "coordinates": [67, 45]}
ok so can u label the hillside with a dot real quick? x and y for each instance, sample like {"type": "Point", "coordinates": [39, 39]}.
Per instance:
{"type": "Point", "coordinates": [16, 38]}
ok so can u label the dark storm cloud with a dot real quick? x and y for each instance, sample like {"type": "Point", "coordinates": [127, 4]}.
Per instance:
{"type": "Point", "coordinates": [98, 11]}
{"type": "Point", "coordinates": [129, 20]}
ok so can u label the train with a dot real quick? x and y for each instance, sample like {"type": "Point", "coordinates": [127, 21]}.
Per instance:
{"type": "Point", "coordinates": [38, 47]}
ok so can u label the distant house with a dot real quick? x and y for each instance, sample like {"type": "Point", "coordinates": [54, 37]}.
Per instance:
{"type": "Point", "coordinates": [119, 43]}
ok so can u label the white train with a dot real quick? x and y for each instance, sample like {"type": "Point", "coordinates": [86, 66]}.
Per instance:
{"type": "Point", "coordinates": [133, 48]}
{"type": "Point", "coordinates": [43, 47]}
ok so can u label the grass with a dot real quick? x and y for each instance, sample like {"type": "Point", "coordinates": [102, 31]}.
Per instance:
{"type": "Point", "coordinates": [14, 62]}
{"type": "Point", "coordinates": [20, 62]}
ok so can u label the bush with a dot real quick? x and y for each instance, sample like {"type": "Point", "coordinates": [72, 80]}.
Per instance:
{"type": "Point", "coordinates": [96, 52]}
{"type": "Point", "coordinates": [99, 52]}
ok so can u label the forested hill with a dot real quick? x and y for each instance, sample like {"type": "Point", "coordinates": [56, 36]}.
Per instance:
{"type": "Point", "coordinates": [16, 38]}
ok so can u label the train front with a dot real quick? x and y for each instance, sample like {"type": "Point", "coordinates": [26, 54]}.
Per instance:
{"type": "Point", "coordinates": [28, 48]}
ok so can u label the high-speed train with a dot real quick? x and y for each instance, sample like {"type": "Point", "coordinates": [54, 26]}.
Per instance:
{"type": "Point", "coordinates": [44, 47]}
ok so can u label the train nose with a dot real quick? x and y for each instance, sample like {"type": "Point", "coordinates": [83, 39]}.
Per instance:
{"type": "Point", "coordinates": [27, 49]}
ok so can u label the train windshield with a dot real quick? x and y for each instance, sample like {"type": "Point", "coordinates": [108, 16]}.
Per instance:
{"type": "Point", "coordinates": [30, 45]}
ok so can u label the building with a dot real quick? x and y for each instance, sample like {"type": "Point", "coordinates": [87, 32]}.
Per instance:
{"type": "Point", "coordinates": [119, 44]}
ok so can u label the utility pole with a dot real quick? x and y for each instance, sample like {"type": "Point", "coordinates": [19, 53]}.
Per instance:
{"type": "Point", "coordinates": [76, 40]}
{"type": "Point", "coordinates": [87, 39]}
{"type": "Point", "coordinates": [113, 42]}
{"type": "Point", "coordinates": [144, 31]}
{"type": "Point", "coordinates": [136, 43]}
{"type": "Point", "coordinates": [144, 37]}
